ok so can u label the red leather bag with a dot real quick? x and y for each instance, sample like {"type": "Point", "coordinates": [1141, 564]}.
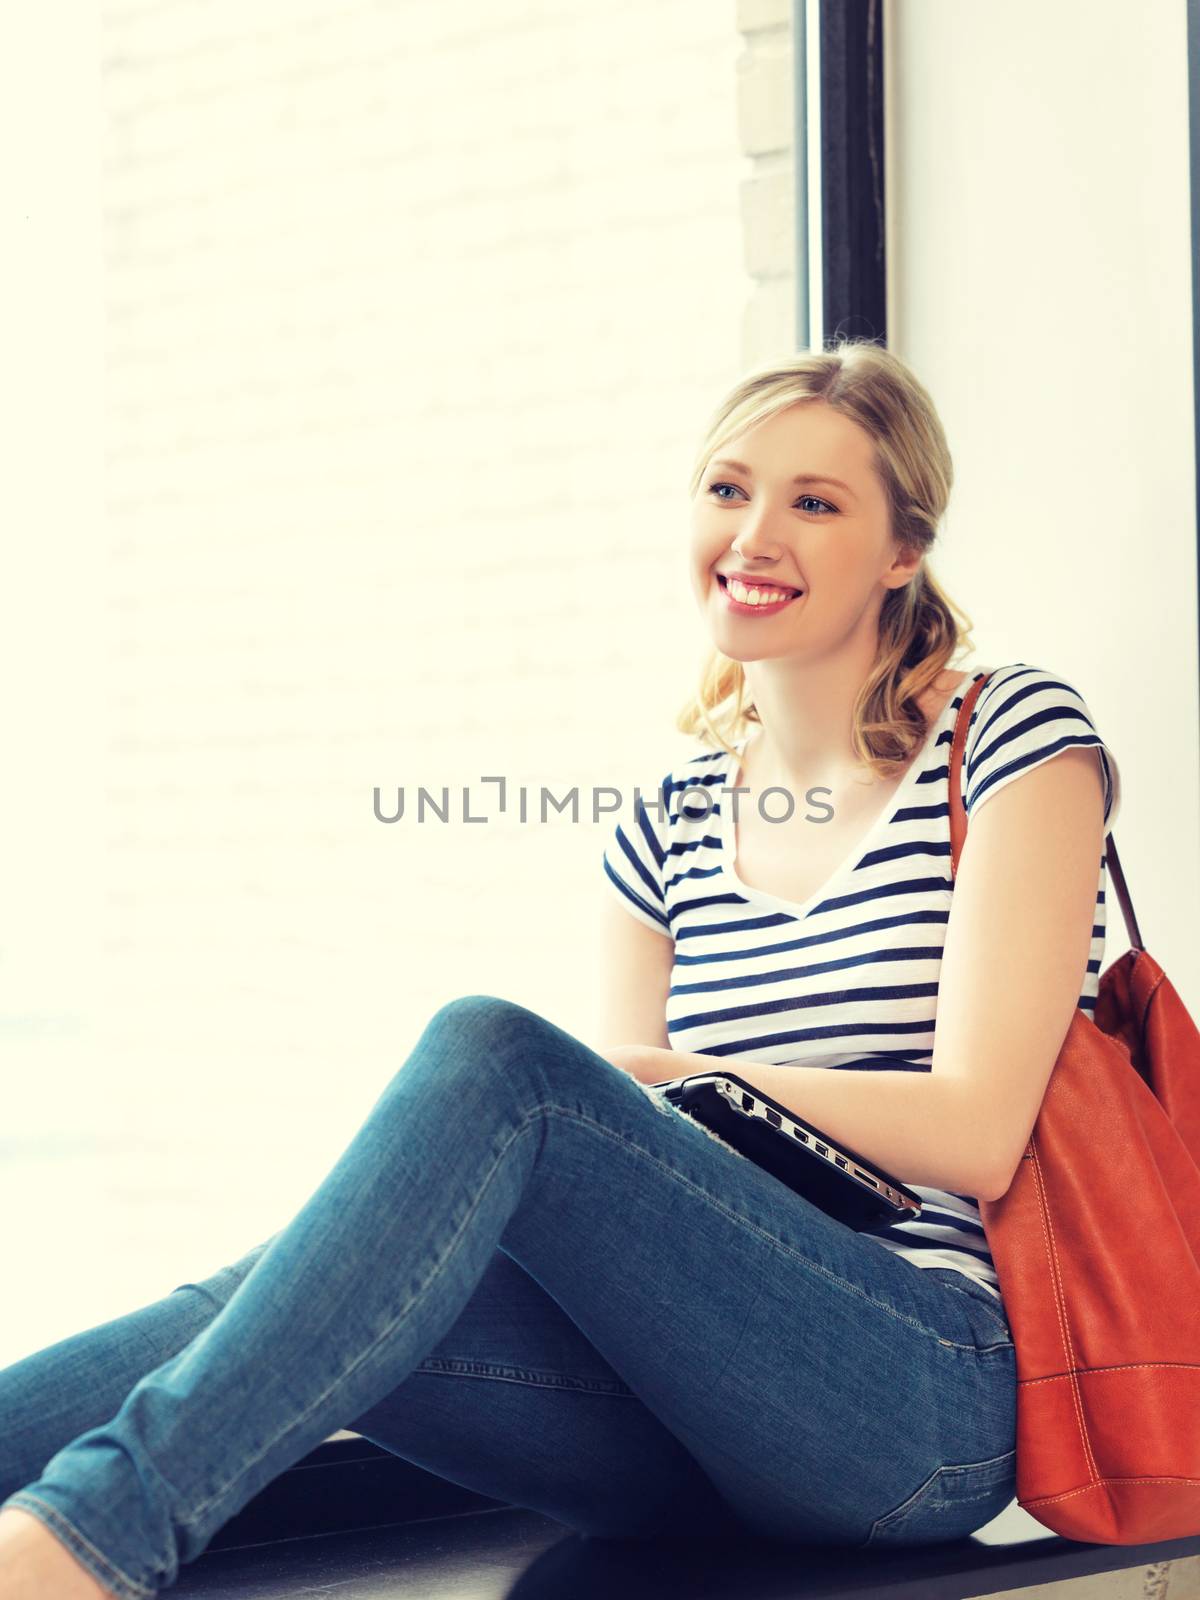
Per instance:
{"type": "Point", "coordinates": [1096, 1245]}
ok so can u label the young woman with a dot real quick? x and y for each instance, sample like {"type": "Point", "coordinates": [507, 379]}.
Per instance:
{"type": "Point", "coordinates": [530, 1274]}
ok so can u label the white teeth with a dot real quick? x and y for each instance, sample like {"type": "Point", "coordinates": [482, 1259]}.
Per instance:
{"type": "Point", "coordinates": [759, 597]}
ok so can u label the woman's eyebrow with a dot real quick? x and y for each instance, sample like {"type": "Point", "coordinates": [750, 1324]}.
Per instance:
{"type": "Point", "coordinates": [801, 477]}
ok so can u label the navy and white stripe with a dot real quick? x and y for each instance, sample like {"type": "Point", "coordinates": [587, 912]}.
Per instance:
{"type": "Point", "coordinates": [849, 979]}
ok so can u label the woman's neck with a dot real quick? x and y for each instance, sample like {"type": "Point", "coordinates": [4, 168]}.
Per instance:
{"type": "Point", "coordinates": [797, 752]}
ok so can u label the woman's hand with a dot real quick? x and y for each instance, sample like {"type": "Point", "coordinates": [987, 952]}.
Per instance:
{"type": "Point", "coordinates": [645, 1062]}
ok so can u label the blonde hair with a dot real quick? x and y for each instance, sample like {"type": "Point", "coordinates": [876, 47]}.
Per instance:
{"type": "Point", "coordinates": [919, 627]}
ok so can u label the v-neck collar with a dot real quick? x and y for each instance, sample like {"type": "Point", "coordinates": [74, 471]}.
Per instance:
{"type": "Point", "coordinates": [850, 863]}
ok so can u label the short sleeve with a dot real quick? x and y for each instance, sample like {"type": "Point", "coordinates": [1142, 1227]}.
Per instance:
{"type": "Point", "coordinates": [634, 857]}
{"type": "Point", "coordinates": [1024, 716]}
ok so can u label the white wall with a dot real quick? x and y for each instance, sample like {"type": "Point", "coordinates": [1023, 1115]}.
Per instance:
{"type": "Point", "coordinates": [50, 510]}
{"type": "Point", "coordinates": [383, 288]}
{"type": "Point", "coordinates": [1040, 252]}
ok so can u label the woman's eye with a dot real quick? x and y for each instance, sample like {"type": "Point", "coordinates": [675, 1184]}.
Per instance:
{"type": "Point", "coordinates": [812, 498]}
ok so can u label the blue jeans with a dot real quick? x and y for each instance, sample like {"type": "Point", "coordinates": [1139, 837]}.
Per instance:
{"type": "Point", "coordinates": [533, 1276]}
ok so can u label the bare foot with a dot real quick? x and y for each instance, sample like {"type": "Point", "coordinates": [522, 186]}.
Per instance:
{"type": "Point", "coordinates": [34, 1564]}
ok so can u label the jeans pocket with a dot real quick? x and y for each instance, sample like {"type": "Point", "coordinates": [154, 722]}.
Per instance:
{"type": "Point", "coordinates": [951, 1503]}
{"type": "Point", "coordinates": [990, 1313]}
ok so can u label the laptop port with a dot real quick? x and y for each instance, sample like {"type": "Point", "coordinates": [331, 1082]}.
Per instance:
{"type": "Point", "coordinates": [774, 1118]}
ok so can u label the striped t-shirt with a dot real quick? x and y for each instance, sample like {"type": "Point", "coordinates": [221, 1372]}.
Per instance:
{"type": "Point", "coordinates": [848, 979]}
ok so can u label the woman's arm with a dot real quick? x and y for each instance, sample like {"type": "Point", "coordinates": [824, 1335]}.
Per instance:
{"type": "Point", "coordinates": [1012, 969]}
{"type": "Point", "coordinates": [633, 980]}
{"type": "Point", "coordinates": [911, 1123]}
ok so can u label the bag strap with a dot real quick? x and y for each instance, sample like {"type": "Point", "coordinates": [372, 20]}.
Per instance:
{"type": "Point", "coordinates": [958, 816]}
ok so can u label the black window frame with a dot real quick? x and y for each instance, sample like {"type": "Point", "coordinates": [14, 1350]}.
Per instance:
{"type": "Point", "coordinates": [848, 232]}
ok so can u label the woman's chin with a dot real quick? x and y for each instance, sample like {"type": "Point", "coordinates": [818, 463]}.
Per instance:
{"type": "Point", "coordinates": [739, 650]}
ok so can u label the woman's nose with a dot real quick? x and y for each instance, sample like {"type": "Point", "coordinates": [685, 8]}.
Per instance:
{"type": "Point", "coordinates": [756, 541]}
{"type": "Point", "coordinates": [757, 533]}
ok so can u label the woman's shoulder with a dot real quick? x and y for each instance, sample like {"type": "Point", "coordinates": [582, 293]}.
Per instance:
{"type": "Point", "coordinates": [1026, 714]}
{"type": "Point", "coordinates": [694, 783]}
{"type": "Point", "coordinates": [664, 793]}
{"type": "Point", "coordinates": [1026, 684]}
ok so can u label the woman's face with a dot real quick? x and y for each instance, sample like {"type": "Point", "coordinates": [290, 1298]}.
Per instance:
{"type": "Point", "coordinates": [828, 539]}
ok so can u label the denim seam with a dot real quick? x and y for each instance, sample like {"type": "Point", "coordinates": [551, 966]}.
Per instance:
{"type": "Point", "coordinates": [207, 1293]}
{"type": "Point", "coordinates": [752, 1227]}
{"type": "Point", "coordinates": [78, 1543]}
{"type": "Point", "coordinates": [974, 1466]}
{"type": "Point", "coordinates": [529, 1120]}
{"type": "Point", "coordinates": [460, 1367]}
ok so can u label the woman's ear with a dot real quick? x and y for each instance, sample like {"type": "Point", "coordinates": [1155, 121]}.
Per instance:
{"type": "Point", "coordinates": [904, 569]}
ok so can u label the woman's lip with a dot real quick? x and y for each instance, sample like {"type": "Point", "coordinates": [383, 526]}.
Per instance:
{"type": "Point", "coordinates": [743, 609]}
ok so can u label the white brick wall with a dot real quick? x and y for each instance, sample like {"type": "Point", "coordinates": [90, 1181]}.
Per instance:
{"type": "Point", "coordinates": [387, 291]}
{"type": "Point", "coordinates": [385, 287]}
{"type": "Point", "coordinates": [766, 115]}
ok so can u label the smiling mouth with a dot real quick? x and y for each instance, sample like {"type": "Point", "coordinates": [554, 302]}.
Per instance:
{"type": "Point", "coordinates": [748, 606]}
